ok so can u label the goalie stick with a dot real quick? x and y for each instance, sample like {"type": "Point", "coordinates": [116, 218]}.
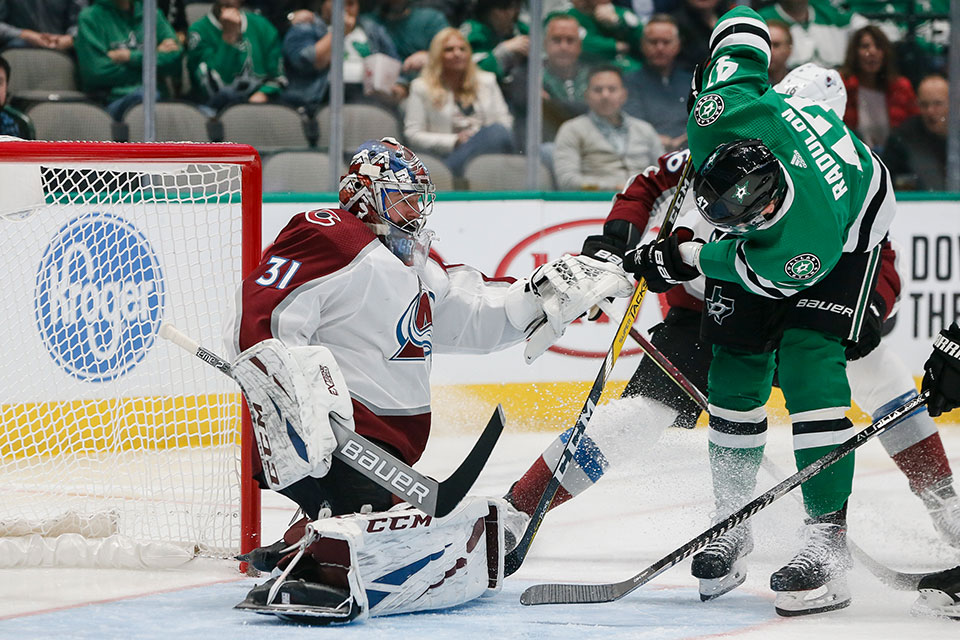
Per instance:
{"type": "Point", "coordinates": [515, 558]}
{"type": "Point", "coordinates": [592, 593]}
{"type": "Point", "coordinates": [432, 497]}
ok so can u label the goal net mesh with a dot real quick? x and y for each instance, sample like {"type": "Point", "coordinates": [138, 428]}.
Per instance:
{"type": "Point", "coordinates": [100, 419]}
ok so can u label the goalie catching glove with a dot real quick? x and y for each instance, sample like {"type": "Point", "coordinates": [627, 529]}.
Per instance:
{"type": "Point", "coordinates": [558, 293]}
{"type": "Point", "coordinates": [293, 395]}
{"type": "Point", "coordinates": [942, 372]}
{"type": "Point", "coordinates": [668, 262]}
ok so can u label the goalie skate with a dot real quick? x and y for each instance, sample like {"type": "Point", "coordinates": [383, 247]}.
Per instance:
{"type": "Point", "coordinates": [303, 602]}
{"type": "Point", "coordinates": [814, 581]}
{"type": "Point", "coordinates": [720, 566]}
{"type": "Point", "coordinates": [939, 595]}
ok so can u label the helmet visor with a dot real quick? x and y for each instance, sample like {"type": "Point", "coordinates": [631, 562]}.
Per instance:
{"type": "Point", "coordinates": [406, 206]}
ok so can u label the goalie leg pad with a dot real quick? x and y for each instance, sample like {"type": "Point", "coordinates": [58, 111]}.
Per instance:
{"type": "Point", "coordinates": [293, 394]}
{"type": "Point", "coordinates": [397, 561]}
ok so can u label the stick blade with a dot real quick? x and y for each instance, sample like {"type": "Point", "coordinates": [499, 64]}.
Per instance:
{"type": "Point", "coordinates": [568, 594]}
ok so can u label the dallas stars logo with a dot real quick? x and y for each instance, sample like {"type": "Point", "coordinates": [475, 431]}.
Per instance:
{"type": "Point", "coordinates": [718, 306]}
{"type": "Point", "coordinates": [741, 192]}
{"type": "Point", "coordinates": [708, 109]}
{"type": "Point", "coordinates": [803, 266]}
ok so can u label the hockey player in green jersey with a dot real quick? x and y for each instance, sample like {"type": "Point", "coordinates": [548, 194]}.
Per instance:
{"type": "Point", "coordinates": [800, 207]}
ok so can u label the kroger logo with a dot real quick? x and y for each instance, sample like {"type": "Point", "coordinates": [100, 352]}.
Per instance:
{"type": "Point", "coordinates": [99, 297]}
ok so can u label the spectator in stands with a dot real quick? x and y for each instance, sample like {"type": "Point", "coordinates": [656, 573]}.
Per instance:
{"type": "Point", "coordinates": [109, 48]}
{"type": "Point", "coordinates": [456, 11]}
{"type": "Point", "coordinates": [306, 51]}
{"type": "Point", "coordinates": [233, 57]}
{"type": "Point", "coordinates": [456, 110]}
{"type": "Point", "coordinates": [47, 24]}
{"type": "Point", "coordinates": [658, 92]}
{"type": "Point", "coordinates": [12, 122]}
{"type": "Point", "coordinates": [879, 99]}
{"type": "Point", "coordinates": [781, 47]}
{"type": "Point", "coordinates": [176, 14]}
{"type": "Point", "coordinates": [820, 32]}
{"type": "Point", "coordinates": [695, 21]}
{"type": "Point", "coordinates": [499, 41]}
{"type": "Point", "coordinates": [412, 29]}
{"type": "Point", "coordinates": [611, 34]}
{"type": "Point", "coordinates": [602, 149]}
{"type": "Point", "coordinates": [280, 12]}
{"type": "Point", "coordinates": [916, 152]}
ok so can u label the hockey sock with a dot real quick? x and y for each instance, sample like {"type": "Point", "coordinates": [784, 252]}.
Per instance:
{"type": "Point", "coordinates": [588, 466]}
{"type": "Point", "coordinates": [924, 464]}
{"type": "Point", "coordinates": [827, 491]}
{"type": "Point", "coordinates": [734, 473]}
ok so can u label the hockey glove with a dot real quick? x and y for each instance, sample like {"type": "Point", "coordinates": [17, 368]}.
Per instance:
{"type": "Point", "coordinates": [617, 237]}
{"type": "Point", "coordinates": [696, 83]}
{"type": "Point", "coordinates": [942, 372]}
{"type": "Point", "coordinates": [663, 263]}
{"type": "Point", "coordinates": [872, 329]}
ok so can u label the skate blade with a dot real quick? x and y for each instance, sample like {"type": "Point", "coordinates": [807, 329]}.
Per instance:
{"type": "Point", "coordinates": [304, 614]}
{"type": "Point", "coordinates": [937, 604]}
{"type": "Point", "coordinates": [830, 597]}
{"type": "Point", "coordinates": [711, 588]}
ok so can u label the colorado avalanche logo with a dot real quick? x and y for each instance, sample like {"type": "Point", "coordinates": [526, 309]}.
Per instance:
{"type": "Point", "coordinates": [415, 329]}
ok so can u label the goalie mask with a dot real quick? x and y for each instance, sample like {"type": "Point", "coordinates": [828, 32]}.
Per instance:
{"type": "Point", "coordinates": [740, 186]}
{"type": "Point", "coordinates": [389, 188]}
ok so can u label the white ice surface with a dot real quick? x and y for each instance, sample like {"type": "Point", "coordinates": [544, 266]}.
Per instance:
{"type": "Point", "coordinates": [640, 511]}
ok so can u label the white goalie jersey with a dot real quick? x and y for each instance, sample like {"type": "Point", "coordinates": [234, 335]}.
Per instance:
{"type": "Point", "coordinates": [327, 280]}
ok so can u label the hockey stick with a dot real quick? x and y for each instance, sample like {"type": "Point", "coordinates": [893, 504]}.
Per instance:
{"type": "Point", "coordinates": [890, 577]}
{"type": "Point", "coordinates": [586, 593]}
{"type": "Point", "coordinates": [373, 462]}
{"type": "Point", "coordinates": [515, 558]}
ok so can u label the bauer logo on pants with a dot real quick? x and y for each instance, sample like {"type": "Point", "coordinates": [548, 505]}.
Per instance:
{"type": "Point", "coordinates": [99, 297]}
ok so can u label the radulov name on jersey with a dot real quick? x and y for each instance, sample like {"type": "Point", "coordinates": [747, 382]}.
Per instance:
{"type": "Point", "coordinates": [826, 163]}
{"type": "Point", "coordinates": [98, 297]}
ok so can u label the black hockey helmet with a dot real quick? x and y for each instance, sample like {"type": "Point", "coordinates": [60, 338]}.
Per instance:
{"type": "Point", "coordinates": [736, 183]}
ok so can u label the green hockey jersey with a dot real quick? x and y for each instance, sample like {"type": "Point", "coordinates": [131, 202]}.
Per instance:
{"type": "Point", "coordinates": [839, 197]}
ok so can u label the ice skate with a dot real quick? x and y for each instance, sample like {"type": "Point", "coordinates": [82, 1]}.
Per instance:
{"type": "Point", "coordinates": [943, 504]}
{"type": "Point", "coordinates": [814, 581]}
{"type": "Point", "coordinates": [720, 566]}
{"type": "Point", "coordinates": [939, 595]}
{"type": "Point", "coordinates": [302, 601]}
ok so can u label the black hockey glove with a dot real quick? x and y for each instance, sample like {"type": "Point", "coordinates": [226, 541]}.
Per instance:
{"type": "Point", "coordinates": [696, 83]}
{"type": "Point", "coordinates": [872, 329]}
{"type": "Point", "coordinates": [942, 372]}
{"type": "Point", "coordinates": [660, 263]}
{"type": "Point", "coordinates": [617, 237]}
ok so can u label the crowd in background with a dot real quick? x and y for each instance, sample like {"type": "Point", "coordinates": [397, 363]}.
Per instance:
{"type": "Point", "coordinates": [616, 73]}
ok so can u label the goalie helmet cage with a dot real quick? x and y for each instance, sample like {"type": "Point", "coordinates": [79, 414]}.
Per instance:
{"type": "Point", "coordinates": [104, 428]}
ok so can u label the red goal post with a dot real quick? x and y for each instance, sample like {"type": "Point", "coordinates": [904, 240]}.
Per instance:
{"type": "Point", "coordinates": [100, 420]}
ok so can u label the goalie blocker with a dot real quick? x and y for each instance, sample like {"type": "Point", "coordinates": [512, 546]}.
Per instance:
{"type": "Point", "coordinates": [351, 567]}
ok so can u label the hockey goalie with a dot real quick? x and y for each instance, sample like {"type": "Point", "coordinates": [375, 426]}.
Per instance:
{"type": "Point", "coordinates": [338, 324]}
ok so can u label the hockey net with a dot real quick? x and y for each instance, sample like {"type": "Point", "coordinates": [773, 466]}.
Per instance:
{"type": "Point", "coordinates": [108, 434]}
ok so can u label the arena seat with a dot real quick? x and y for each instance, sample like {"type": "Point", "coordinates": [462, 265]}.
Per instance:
{"type": "Point", "coordinates": [175, 122]}
{"type": "Point", "coordinates": [502, 172]}
{"type": "Point", "coordinates": [71, 121]}
{"type": "Point", "coordinates": [268, 127]}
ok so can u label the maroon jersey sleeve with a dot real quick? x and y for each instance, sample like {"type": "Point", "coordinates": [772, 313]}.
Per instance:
{"type": "Point", "coordinates": [312, 245]}
{"type": "Point", "coordinates": [888, 282]}
{"type": "Point", "coordinates": [646, 190]}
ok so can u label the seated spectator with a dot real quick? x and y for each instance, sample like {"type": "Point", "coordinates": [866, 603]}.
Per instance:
{"type": "Point", "coordinates": [695, 21]}
{"type": "Point", "coordinates": [12, 122]}
{"type": "Point", "coordinates": [306, 51]}
{"type": "Point", "coordinates": [916, 152]}
{"type": "Point", "coordinates": [456, 110]}
{"type": "Point", "coordinates": [455, 11]}
{"type": "Point", "coordinates": [658, 92]}
{"type": "Point", "coordinates": [499, 42]}
{"type": "Point", "coordinates": [879, 99]}
{"type": "Point", "coordinates": [109, 48]}
{"type": "Point", "coordinates": [176, 14]}
{"type": "Point", "coordinates": [611, 34]}
{"type": "Point", "coordinates": [923, 42]}
{"type": "Point", "coordinates": [234, 56]}
{"type": "Point", "coordinates": [781, 47]}
{"type": "Point", "coordinates": [819, 31]}
{"type": "Point", "coordinates": [281, 13]}
{"type": "Point", "coordinates": [412, 29]}
{"type": "Point", "coordinates": [602, 149]}
{"type": "Point", "coordinates": [46, 24]}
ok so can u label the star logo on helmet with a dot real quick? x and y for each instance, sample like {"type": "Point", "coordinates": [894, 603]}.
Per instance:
{"type": "Point", "coordinates": [741, 192]}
